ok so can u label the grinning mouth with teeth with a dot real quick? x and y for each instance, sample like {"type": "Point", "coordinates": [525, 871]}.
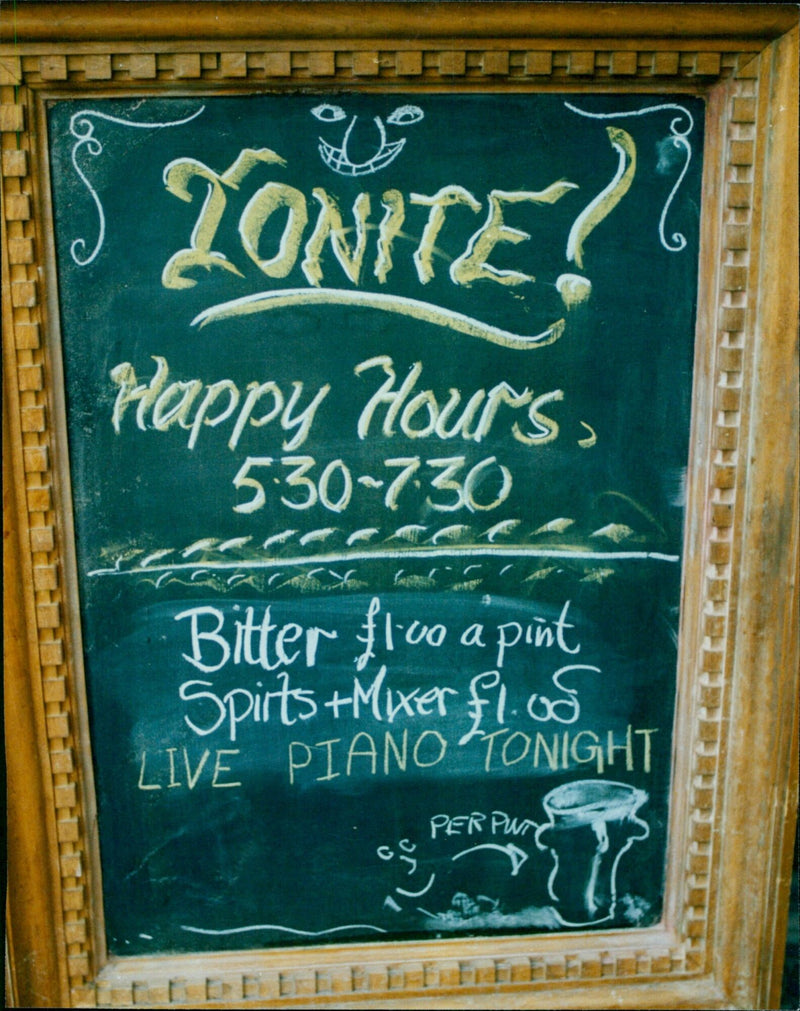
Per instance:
{"type": "Point", "coordinates": [339, 159]}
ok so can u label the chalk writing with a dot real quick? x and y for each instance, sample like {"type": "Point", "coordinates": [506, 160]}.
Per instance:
{"type": "Point", "coordinates": [679, 141]}
{"type": "Point", "coordinates": [337, 158]}
{"type": "Point", "coordinates": [329, 226]}
{"type": "Point", "coordinates": [471, 265]}
{"type": "Point", "coordinates": [156, 774]}
{"type": "Point", "coordinates": [378, 414]}
{"type": "Point", "coordinates": [436, 418]}
{"type": "Point", "coordinates": [82, 126]}
{"type": "Point", "coordinates": [592, 823]}
{"type": "Point", "coordinates": [254, 642]}
{"type": "Point", "coordinates": [160, 405]}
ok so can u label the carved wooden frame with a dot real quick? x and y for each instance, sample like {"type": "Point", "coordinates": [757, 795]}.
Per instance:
{"type": "Point", "coordinates": [734, 775]}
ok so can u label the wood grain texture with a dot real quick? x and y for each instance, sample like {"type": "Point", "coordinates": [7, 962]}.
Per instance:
{"type": "Point", "coordinates": [36, 968]}
{"type": "Point", "coordinates": [735, 776]}
{"type": "Point", "coordinates": [153, 20]}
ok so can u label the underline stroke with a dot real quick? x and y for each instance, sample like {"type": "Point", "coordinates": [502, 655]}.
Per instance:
{"type": "Point", "coordinates": [399, 553]}
{"type": "Point", "coordinates": [412, 307]}
{"type": "Point", "coordinates": [276, 926]}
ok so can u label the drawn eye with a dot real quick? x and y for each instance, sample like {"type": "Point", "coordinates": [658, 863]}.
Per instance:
{"type": "Point", "coordinates": [328, 113]}
{"type": "Point", "coordinates": [405, 115]}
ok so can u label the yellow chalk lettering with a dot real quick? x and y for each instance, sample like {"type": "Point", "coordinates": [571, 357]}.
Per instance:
{"type": "Point", "coordinates": [472, 264]}
{"type": "Point", "coordinates": [172, 780]}
{"type": "Point", "coordinates": [447, 196]}
{"type": "Point", "coordinates": [219, 768]}
{"type": "Point", "coordinates": [385, 395]}
{"type": "Point", "coordinates": [293, 765]}
{"type": "Point", "coordinates": [627, 747]}
{"type": "Point", "coordinates": [370, 752]}
{"type": "Point", "coordinates": [389, 229]}
{"type": "Point", "coordinates": [424, 401]}
{"type": "Point", "coordinates": [256, 391]}
{"type": "Point", "coordinates": [129, 392]}
{"type": "Point", "coordinates": [400, 757]}
{"type": "Point", "coordinates": [526, 743]}
{"type": "Point", "coordinates": [178, 175]}
{"type": "Point", "coordinates": [142, 785]}
{"type": "Point", "coordinates": [212, 392]}
{"type": "Point", "coordinates": [594, 752]}
{"type": "Point", "coordinates": [329, 226]}
{"type": "Point", "coordinates": [442, 749]}
{"type": "Point", "coordinates": [546, 428]}
{"type": "Point", "coordinates": [330, 774]}
{"type": "Point", "coordinates": [605, 201]}
{"type": "Point", "coordinates": [165, 415]}
{"type": "Point", "coordinates": [193, 776]}
{"type": "Point", "coordinates": [550, 753]}
{"type": "Point", "coordinates": [647, 734]}
{"type": "Point", "coordinates": [261, 207]}
{"type": "Point", "coordinates": [489, 738]}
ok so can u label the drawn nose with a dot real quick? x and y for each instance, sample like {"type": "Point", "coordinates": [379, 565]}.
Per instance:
{"type": "Point", "coordinates": [364, 139]}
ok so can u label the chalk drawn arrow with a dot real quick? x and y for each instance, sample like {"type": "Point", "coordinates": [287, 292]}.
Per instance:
{"type": "Point", "coordinates": [514, 853]}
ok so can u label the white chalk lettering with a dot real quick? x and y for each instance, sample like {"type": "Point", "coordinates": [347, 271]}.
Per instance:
{"type": "Point", "coordinates": [255, 642]}
{"type": "Point", "coordinates": [192, 405]}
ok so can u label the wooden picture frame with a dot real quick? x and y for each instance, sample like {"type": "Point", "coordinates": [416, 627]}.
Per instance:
{"type": "Point", "coordinates": [734, 774]}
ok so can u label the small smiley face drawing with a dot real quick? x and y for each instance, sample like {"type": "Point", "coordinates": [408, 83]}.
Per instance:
{"type": "Point", "coordinates": [339, 158]}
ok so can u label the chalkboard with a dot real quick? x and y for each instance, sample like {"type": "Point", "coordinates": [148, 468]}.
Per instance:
{"type": "Point", "coordinates": [378, 411]}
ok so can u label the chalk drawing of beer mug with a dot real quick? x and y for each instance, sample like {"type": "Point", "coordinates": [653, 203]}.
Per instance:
{"type": "Point", "coordinates": [592, 823]}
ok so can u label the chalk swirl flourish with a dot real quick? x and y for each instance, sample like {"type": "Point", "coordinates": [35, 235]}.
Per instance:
{"type": "Point", "coordinates": [679, 128]}
{"type": "Point", "coordinates": [82, 127]}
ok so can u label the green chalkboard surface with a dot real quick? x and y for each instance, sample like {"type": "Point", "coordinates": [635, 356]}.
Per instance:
{"type": "Point", "coordinates": [378, 410]}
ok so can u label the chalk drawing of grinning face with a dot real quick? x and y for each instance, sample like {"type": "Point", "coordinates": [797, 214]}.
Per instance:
{"type": "Point", "coordinates": [339, 159]}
